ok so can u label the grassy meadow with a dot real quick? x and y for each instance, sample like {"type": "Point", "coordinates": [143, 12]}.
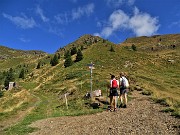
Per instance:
{"type": "Point", "coordinates": [42, 91]}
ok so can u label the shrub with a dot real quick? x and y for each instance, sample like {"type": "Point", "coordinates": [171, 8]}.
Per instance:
{"type": "Point", "coordinates": [39, 65]}
{"type": "Point", "coordinates": [1, 93]}
{"type": "Point", "coordinates": [112, 49]}
{"type": "Point", "coordinates": [134, 47]}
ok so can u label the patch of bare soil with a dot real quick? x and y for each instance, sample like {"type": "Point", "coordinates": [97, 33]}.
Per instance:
{"type": "Point", "coordinates": [141, 117]}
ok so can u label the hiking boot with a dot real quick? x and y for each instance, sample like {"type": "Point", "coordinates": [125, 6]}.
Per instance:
{"type": "Point", "coordinates": [125, 106]}
{"type": "Point", "coordinates": [121, 105]}
{"type": "Point", "coordinates": [115, 109]}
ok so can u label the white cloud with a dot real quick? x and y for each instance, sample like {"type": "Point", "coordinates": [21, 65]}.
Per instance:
{"type": "Point", "coordinates": [81, 11]}
{"type": "Point", "coordinates": [56, 31]}
{"type": "Point", "coordinates": [39, 11]}
{"type": "Point", "coordinates": [64, 18]}
{"type": "Point", "coordinates": [96, 34]}
{"type": "Point", "coordinates": [22, 22]}
{"type": "Point", "coordinates": [107, 31]}
{"type": "Point", "coordinates": [118, 19]}
{"type": "Point", "coordinates": [142, 24]}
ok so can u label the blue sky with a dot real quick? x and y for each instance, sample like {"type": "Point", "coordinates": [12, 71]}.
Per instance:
{"type": "Point", "coordinates": [48, 25]}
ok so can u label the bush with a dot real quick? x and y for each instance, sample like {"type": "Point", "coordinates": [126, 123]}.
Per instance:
{"type": "Point", "coordinates": [39, 65]}
{"type": "Point", "coordinates": [148, 93]}
{"type": "Point", "coordinates": [134, 47]}
{"type": "Point", "coordinates": [1, 93]}
{"type": "Point", "coordinates": [112, 49]}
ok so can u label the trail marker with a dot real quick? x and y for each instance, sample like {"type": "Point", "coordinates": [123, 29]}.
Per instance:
{"type": "Point", "coordinates": [91, 67]}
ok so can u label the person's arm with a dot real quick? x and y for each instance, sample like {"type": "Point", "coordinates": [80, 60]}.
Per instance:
{"type": "Point", "coordinates": [118, 83]}
{"type": "Point", "coordinates": [111, 84]}
{"type": "Point", "coordinates": [120, 80]}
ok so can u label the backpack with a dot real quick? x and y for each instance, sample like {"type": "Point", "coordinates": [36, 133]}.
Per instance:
{"type": "Point", "coordinates": [114, 84]}
{"type": "Point", "coordinates": [124, 82]}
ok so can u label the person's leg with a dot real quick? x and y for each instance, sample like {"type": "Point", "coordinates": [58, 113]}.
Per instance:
{"type": "Point", "coordinates": [121, 96]}
{"type": "Point", "coordinates": [125, 96]}
{"type": "Point", "coordinates": [121, 100]}
{"type": "Point", "coordinates": [111, 99]}
{"type": "Point", "coordinates": [115, 102]}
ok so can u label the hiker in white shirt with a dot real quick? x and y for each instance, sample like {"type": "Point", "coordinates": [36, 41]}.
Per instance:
{"type": "Point", "coordinates": [124, 87]}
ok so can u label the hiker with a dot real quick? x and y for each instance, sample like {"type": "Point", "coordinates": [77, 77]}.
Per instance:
{"type": "Point", "coordinates": [124, 85]}
{"type": "Point", "coordinates": [114, 85]}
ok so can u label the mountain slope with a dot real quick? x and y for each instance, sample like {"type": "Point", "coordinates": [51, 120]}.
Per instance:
{"type": "Point", "coordinates": [155, 71]}
{"type": "Point", "coordinates": [10, 58]}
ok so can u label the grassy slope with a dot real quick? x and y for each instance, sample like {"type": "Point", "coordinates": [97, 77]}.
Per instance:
{"type": "Point", "coordinates": [149, 69]}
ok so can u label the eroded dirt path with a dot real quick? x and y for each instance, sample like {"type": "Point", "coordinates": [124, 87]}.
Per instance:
{"type": "Point", "coordinates": [141, 117]}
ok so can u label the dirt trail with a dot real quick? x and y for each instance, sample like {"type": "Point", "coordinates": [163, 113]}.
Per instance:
{"type": "Point", "coordinates": [141, 117]}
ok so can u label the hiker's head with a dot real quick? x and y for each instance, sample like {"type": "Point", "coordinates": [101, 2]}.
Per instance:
{"type": "Point", "coordinates": [112, 76]}
{"type": "Point", "coordinates": [121, 74]}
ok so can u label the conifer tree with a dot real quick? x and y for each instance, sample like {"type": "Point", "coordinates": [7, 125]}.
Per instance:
{"type": "Point", "coordinates": [79, 56]}
{"type": "Point", "coordinates": [82, 47]}
{"type": "Point", "coordinates": [59, 56]}
{"type": "Point", "coordinates": [73, 50]}
{"type": "Point", "coordinates": [67, 54]}
{"type": "Point", "coordinates": [54, 61]}
{"type": "Point", "coordinates": [2, 76]}
{"type": "Point", "coordinates": [9, 77]}
{"type": "Point", "coordinates": [22, 74]}
{"type": "Point", "coordinates": [68, 62]}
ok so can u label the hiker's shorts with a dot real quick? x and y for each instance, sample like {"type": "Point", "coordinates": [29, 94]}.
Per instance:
{"type": "Point", "coordinates": [123, 91]}
{"type": "Point", "coordinates": [113, 92]}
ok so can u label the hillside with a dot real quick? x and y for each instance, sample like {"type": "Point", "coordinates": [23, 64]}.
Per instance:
{"type": "Point", "coordinates": [11, 57]}
{"type": "Point", "coordinates": [154, 71]}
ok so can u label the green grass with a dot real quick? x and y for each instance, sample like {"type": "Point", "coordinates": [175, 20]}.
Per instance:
{"type": "Point", "coordinates": [48, 107]}
{"type": "Point", "coordinates": [150, 70]}
{"type": "Point", "coordinates": [28, 85]}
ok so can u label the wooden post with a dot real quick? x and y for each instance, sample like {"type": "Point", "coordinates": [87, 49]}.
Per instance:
{"type": "Point", "coordinates": [66, 101]}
